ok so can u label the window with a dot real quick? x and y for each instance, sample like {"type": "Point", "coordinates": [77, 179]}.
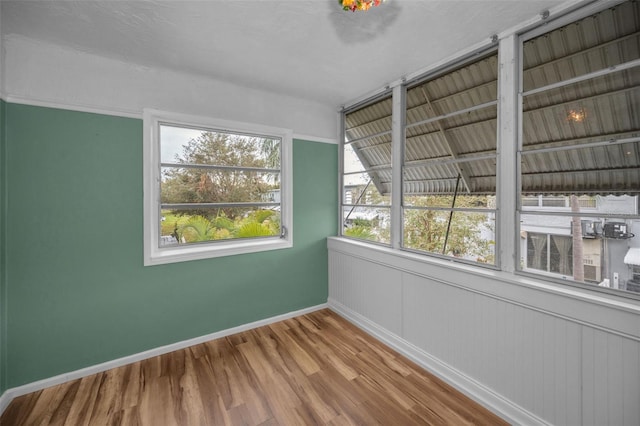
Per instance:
{"type": "Point", "coordinates": [214, 188]}
{"type": "Point", "coordinates": [580, 148]}
{"type": "Point", "coordinates": [366, 179]}
{"type": "Point", "coordinates": [427, 168]}
{"type": "Point", "coordinates": [549, 253]}
{"type": "Point", "coordinates": [449, 169]}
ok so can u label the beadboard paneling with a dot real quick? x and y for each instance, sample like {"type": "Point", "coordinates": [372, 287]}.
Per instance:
{"type": "Point", "coordinates": [381, 284]}
{"type": "Point", "coordinates": [563, 365]}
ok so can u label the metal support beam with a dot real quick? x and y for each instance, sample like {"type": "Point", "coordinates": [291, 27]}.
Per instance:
{"type": "Point", "coordinates": [464, 175]}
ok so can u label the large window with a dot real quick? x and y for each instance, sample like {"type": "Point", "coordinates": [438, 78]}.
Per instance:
{"type": "Point", "coordinates": [525, 159]}
{"type": "Point", "coordinates": [366, 165]}
{"type": "Point", "coordinates": [580, 149]}
{"type": "Point", "coordinates": [214, 188]}
{"type": "Point", "coordinates": [449, 168]}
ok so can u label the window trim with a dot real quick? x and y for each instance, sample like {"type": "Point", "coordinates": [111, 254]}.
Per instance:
{"type": "Point", "coordinates": [153, 253]}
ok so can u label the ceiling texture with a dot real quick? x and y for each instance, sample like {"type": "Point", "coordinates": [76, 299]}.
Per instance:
{"type": "Point", "coordinates": [310, 49]}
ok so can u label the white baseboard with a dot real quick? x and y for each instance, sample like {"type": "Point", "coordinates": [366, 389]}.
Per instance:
{"type": "Point", "coordinates": [501, 406]}
{"type": "Point", "coordinates": [12, 393]}
{"type": "Point", "coordinates": [5, 399]}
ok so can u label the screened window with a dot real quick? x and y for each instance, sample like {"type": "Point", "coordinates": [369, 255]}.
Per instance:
{"type": "Point", "coordinates": [568, 152]}
{"type": "Point", "coordinates": [449, 165]}
{"type": "Point", "coordinates": [366, 179]}
{"type": "Point", "coordinates": [218, 188]}
{"type": "Point", "coordinates": [580, 148]}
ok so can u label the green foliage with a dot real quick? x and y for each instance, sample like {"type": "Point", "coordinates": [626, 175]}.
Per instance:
{"type": "Point", "coordinates": [197, 228]}
{"type": "Point", "coordinates": [362, 222]}
{"type": "Point", "coordinates": [361, 232]}
{"type": "Point", "coordinates": [426, 230]}
{"type": "Point", "coordinates": [261, 215]}
{"type": "Point", "coordinates": [223, 222]}
{"type": "Point", "coordinates": [253, 229]}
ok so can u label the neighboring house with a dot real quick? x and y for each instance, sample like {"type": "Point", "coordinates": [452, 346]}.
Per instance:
{"type": "Point", "coordinates": [546, 242]}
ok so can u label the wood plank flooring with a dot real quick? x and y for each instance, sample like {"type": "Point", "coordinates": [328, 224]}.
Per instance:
{"type": "Point", "coordinates": [316, 369]}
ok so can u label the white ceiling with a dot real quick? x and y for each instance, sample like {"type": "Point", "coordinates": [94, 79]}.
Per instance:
{"type": "Point", "coordinates": [302, 48]}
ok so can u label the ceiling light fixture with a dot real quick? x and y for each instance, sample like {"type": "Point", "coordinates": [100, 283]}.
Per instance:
{"type": "Point", "coordinates": [354, 5]}
{"type": "Point", "coordinates": [576, 115]}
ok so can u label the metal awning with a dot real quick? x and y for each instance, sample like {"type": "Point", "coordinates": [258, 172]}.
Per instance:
{"type": "Point", "coordinates": [633, 256]}
{"type": "Point", "coordinates": [578, 138]}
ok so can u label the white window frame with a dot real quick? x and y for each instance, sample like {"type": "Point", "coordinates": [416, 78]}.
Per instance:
{"type": "Point", "coordinates": [156, 255]}
{"type": "Point", "coordinates": [518, 54]}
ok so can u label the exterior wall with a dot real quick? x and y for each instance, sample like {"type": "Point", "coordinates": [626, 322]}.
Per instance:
{"type": "Point", "coordinates": [604, 255]}
{"type": "Point", "coordinates": [78, 292]}
{"type": "Point", "coordinates": [534, 352]}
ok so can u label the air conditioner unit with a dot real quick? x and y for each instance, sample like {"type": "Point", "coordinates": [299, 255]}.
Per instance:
{"type": "Point", "coordinates": [617, 230]}
{"type": "Point", "coordinates": [591, 229]}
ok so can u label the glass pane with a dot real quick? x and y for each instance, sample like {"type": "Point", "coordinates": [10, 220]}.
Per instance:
{"type": "Point", "coordinates": [470, 85]}
{"type": "Point", "coordinates": [600, 109]}
{"type": "Point", "coordinates": [473, 177]}
{"type": "Point", "coordinates": [594, 251]}
{"type": "Point", "coordinates": [367, 223]}
{"type": "Point", "coordinates": [540, 202]}
{"type": "Point", "coordinates": [198, 185]}
{"type": "Point", "coordinates": [363, 189]}
{"type": "Point", "coordinates": [470, 236]}
{"type": "Point", "coordinates": [351, 161]}
{"type": "Point", "coordinates": [194, 146]}
{"type": "Point", "coordinates": [367, 172]}
{"type": "Point", "coordinates": [369, 120]}
{"type": "Point", "coordinates": [608, 38]}
{"type": "Point", "coordinates": [446, 201]}
{"type": "Point", "coordinates": [605, 169]}
{"type": "Point", "coordinates": [537, 251]}
{"type": "Point", "coordinates": [191, 227]}
{"type": "Point", "coordinates": [471, 128]}
{"type": "Point", "coordinates": [561, 255]}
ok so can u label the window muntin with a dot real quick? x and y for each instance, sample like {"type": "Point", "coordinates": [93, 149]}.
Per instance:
{"type": "Point", "coordinates": [367, 172]}
{"type": "Point", "coordinates": [449, 164]}
{"type": "Point", "coordinates": [214, 188]}
{"type": "Point", "coordinates": [580, 150]}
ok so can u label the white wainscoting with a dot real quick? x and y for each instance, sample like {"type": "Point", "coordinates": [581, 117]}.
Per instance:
{"type": "Point", "coordinates": [533, 352]}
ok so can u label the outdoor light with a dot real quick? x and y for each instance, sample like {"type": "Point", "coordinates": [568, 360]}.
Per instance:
{"type": "Point", "coordinates": [354, 5]}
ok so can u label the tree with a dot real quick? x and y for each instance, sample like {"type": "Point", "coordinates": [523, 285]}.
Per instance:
{"type": "Point", "coordinates": [576, 232]}
{"type": "Point", "coordinates": [206, 185]}
{"type": "Point", "coordinates": [426, 229]}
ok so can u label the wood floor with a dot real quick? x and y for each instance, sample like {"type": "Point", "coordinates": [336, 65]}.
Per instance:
{"type": "Point", "coordinates": [315, 369]}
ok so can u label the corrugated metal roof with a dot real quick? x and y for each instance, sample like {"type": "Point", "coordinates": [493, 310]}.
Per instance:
{"type": "Point", "coordinates": [580, 115]}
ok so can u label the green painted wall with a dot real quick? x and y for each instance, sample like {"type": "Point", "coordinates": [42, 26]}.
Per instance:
{"type": "Point", "coordinates": [78, 294]}
{"type": "Point", "coordinates": [3, 299]}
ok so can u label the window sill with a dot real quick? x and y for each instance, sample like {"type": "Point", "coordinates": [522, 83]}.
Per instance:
{"type": "Point", "coordinates": [161, 256]}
